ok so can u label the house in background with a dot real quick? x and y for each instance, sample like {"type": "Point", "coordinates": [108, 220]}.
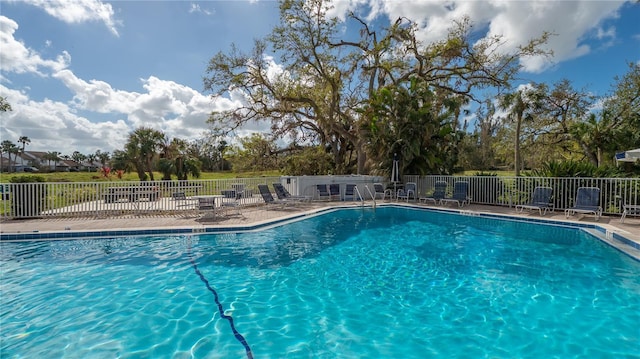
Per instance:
{"type": "Point", "coordinates": [16, 164]}
{"type": "Point", "coordinates": [73, 166]}
{"type": "Point", "coordinates": [31, 161]}
{"type": "Point", "coordinates": [6, 162]}
{"type": "Point", "coordinates": [91, 167]}
{"type": "Point", "coordinates": [37, 160]}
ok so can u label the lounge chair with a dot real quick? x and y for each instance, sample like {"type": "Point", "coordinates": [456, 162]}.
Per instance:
{"type": "Point", "coordinates": [439, 193]}
{"type": "Point", "coordinates": [322, 192]}
{"type": "Point", "coordinates": [268, 197]}
{"type": "Point", "coordinates": [632, 209]}
{"type": "Point", "coordinates": [459, 196]}
{"type": "Point", "coordinates": [540, 200]}
{"type": "Point", "coordinates": [379, 191]}
{"type": "Point", "coordinates": [230, 201]}
{"type": "Point", "coordinates": [238, 188]}
{"type": "Point", "coordinates": [409, 191]}
{"type": "Point", "coordinates": [350, 192]}
{"type": "Point", "coordinates": [178, 195]}
{"type": "Point", "coordinates": [334, 191]}
{"type": "Point", "coordinates": [587, 201]}
{"type": "Point", "coordinates": [284, 195]}
{"type": "Point", "coordinates": [207, 207]}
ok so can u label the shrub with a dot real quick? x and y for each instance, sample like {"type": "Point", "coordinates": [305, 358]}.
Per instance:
{"type": "Point", "coordinates": [574, 169]}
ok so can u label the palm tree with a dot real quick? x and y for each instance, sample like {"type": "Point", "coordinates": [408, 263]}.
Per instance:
{"type": "Point", "coordinates": [170, 151]}
{"type": "Point", "coordinates": [595, 135]}
{"type": "Point", "coordinates": [222, 147]}
{"type": "Point", "coordinates": [51, 156]}
{"type": "Point", "coordinates": [175, 159]}
{"type": "Point", "coordinates": [142, 148]}
{"type": "Point", "coordinates": [189, 166]}
{"type": "Point", "coordinates": [78, 157]}
{"type": "Point", "coordinates": [521, 106]}
{"type": "Point", "coordinates": [410, 120]}
{"type": "Point", "coordinates": [184, 163]}
{"type": "Point", "coordinates": [91, 158]}
{"type": "Point", "coordinates": [25, 141]}
{"type": "Point", "coordinates": [103, 157]}
{"type": "Point", "coordinates": [131, 157]}
{"type": "Point", "coordinates": [166, 167]}
{"type": "Point", "coordinates": [121, 161]}
{"type": "Point", "coordinates": [8, 147]}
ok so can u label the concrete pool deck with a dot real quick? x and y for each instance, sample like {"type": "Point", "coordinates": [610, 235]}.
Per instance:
{"type": "Point", "coordinates": [258, 215]}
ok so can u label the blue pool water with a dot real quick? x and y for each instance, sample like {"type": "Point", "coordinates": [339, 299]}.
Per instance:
{"type": "Point", "coordinates": [389, 283]}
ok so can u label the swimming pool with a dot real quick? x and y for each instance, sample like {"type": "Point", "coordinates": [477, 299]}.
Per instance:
{"type": "Point", "coordinates": [384, 283]}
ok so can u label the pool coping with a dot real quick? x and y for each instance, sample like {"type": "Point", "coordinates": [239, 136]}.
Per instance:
{"type": "Point", "coordinates": [606, 233]}
{"type": "Point", "coordinates": [102, 233]}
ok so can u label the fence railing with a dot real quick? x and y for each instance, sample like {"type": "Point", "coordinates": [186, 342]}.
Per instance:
{"type": "Point", "coordinates": [75, 199]}
{"type": "Point", "coordinates": [511, 191]}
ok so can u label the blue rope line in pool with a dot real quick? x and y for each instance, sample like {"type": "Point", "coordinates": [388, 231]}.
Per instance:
{"type": "Point", "coordinates": [237, 334]}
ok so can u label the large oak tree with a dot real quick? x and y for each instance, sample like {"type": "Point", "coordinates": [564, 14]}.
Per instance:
{"type": "Point", "coordinates": [324, 77]}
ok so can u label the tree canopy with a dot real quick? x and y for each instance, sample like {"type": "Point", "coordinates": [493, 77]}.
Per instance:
{"type": "Point", "coordinates": [318, 89]}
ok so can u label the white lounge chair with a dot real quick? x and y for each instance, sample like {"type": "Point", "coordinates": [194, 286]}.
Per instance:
{"type": "Point", "coordinates": [379, 191]}
{"type": "Point", "coordinates": [409, 191]}
{"type": "Point", "coordinates": [632, 209]}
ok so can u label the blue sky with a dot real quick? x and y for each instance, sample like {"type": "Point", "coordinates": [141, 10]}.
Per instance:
{"type": "Point", "coordinates": [80, 75]}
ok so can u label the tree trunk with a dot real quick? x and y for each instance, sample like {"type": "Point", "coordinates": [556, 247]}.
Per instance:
{"type": "Point", "coordinates": [362, 156]}
{"type": "Point", "coordinates": [150, 170]}
{"type": "Point", "coordinates": [142, 175]}
{"type": "Point", "coordinates": [590, 155]}
{"type": "Point", "coordinates": [516, 149]}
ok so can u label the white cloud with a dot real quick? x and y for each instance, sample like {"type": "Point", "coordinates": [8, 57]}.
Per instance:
{"type": "Point", "coordinates": [177, 110]}
{"type": "Point", "coordinates": [162, 101]}
{"type": "Point", "coordinates": [95, 95]}
{"type": "Point", "coordinates": [16, 57]}
{"type": "Point", "coordinates": [79, 11]}
{"type": "Point", "coordinates": [98, 116]}
{"type": "Point", "coordinates": [54, 126]}
{"type": "Point", "coordinates": [574, 23]}
{"type": "Point", "coordinates": [609, 33]}
{"type": "Point", "coordinates": [197, 9]}
{"type": "Point", "coordinates": [57, 126]}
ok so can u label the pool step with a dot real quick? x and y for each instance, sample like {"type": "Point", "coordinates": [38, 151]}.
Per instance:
{"type": "Point", "coordinates": [610, 239]}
